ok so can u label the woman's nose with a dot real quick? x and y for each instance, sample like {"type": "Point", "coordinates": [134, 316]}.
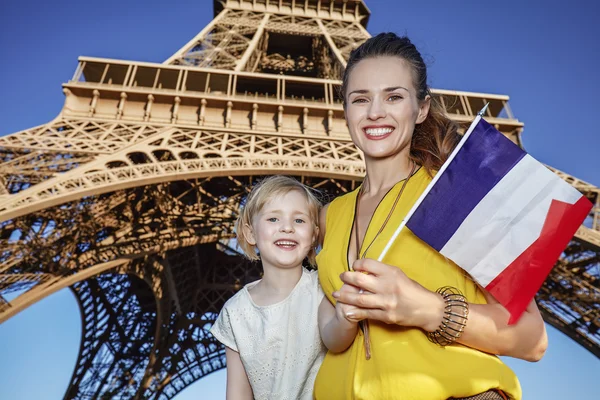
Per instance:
{"type": "Point", "coordinates": [376, 110]}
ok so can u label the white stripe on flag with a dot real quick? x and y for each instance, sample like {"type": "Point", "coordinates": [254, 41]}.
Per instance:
{"type": "Point", "coordinates": [507, 220]}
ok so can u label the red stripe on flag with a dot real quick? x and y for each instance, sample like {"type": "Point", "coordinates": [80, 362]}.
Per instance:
{"type": "Point", "coordinates": [517, 285]}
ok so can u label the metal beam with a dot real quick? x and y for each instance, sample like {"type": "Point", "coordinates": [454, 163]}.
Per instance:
{"type": "Point", "coordinates": [252, 45]}
{"type": "Point", "coordinates": [189, 45]}
{"type": "Point", "coordinates": [54, 285]}
{"type": "Point", "coordinates": [336, 51]}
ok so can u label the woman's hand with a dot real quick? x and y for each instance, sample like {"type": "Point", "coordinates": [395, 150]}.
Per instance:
{"type": "Point", "coordinates": [392, 297]}
{"type": "Point", "coordinates": [389, 296]}
{"type": "Point", "coordinates": [345, 312]}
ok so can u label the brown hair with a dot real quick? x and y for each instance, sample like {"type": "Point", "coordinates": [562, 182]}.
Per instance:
{"type": "Point", "coordinates": [260, 195]}
{"type": "Point", "coordinates": [434, 139]}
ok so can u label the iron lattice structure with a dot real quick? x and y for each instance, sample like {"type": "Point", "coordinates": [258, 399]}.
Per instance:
{"type": "Point", "coordinates": [129, 196]}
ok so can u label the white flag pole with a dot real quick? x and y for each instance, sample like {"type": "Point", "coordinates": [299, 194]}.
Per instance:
{"type": "Point", "coordinates": [433, 181]}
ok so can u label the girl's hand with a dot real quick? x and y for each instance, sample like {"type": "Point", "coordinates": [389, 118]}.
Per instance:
{"type": "Point", "coordinates": [389, 296]}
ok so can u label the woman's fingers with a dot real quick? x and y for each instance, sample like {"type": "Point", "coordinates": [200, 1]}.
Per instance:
{"type": "Point", "coordinates": [362, 300]}
{"type": "Point", "coordinates": [359, 314]}
{"type": "Point", "coordinates": [372, 267]}
{"type": "Point", "coordinates": [350, 288]}
{"type": "Point", "coordinates": [360, 280]}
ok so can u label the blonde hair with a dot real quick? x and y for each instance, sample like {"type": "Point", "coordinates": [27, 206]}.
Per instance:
{"type": "Point", "coordinates": [261, 194]}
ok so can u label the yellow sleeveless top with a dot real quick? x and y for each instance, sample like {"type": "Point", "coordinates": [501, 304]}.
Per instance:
{"type": "Point", "coordinates": [404, 364]}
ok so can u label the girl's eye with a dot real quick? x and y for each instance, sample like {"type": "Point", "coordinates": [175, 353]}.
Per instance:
{"type": "Point", "coordinates": [299, 221]}
{"type": "Point", "coordinates": [272, 219]}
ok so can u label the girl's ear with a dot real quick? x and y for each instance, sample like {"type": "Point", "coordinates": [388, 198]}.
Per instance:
{"type": "Point", "coordinates": [423, 109]}
{"type": "Point", "coordinates": [248, 234]}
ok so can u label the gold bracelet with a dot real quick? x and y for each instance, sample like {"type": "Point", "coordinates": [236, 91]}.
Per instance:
{"type": "Point", "coordinates": [456, 313]}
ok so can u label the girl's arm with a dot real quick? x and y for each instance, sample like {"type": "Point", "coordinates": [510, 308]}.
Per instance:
{"type": "Point", "coordinates": [238, 386]}
{"type": "Point", "coordinates": [336, 331]}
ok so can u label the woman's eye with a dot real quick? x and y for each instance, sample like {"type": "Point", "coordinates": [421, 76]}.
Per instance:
{"type": "Point", "coordinates": [395, 97]}
{"type": "Point", "coordinates": [299, 221]}
{"type": "Point", "coordinates": [359, 101]}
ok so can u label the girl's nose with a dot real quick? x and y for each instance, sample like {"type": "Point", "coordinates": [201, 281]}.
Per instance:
{"type": "Point", "coordinates": [286, 227]}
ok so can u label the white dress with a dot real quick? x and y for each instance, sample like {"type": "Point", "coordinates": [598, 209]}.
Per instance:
{"type": "Point", "coordinates": [279, 344]}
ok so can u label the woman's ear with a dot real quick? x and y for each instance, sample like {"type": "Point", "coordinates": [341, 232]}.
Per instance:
{"type": "Point", "coordinates": [315, 239]}
{"type": "Point", "coordinates": [249, 234]}
{"type": "Point", "coordinates": [423, 109]}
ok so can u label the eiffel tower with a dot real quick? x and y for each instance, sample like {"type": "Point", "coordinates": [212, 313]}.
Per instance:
{"type": "Point", "coordinates": [129, 195]}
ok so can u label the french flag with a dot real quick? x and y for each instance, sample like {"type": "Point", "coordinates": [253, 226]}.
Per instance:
{"type": "Point", "coordinates": [499, 214]}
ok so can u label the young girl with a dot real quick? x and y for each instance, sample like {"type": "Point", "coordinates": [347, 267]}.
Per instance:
{"type": "Point", "coordinates": [269, 327]}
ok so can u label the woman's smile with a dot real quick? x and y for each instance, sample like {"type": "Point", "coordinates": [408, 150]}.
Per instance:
{"type": "Point", "coordinates": [378, 132]}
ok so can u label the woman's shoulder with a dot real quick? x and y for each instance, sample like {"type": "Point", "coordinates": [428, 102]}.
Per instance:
{"type": "Point", "coordinates": [423, 174]}
{"type": "Point", "coordinates": [343, 201]}
{"type": "Point", "coordinates": [331, 212]}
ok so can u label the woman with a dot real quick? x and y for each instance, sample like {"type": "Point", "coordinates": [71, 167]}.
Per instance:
{"type": "Point", "coordinates": [434, 334]}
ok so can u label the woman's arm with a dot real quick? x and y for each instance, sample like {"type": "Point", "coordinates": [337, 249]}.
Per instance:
{"type": "Point", "coordinates": [488, 330]}
{"type": "Point", "coordinates": [322, 224]}
{"type": "Point", "coordinates": [337, 332]}
{"type": "Point", "coordinates": [238, 386]}
{"type": "Point", "coordinates": [395, 298]}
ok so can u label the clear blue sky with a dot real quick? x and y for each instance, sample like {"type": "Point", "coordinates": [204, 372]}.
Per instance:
{"type": "Point", "coordinates": [543, 54]}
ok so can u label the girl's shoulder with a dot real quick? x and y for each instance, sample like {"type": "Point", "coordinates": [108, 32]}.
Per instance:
{"type": "Point", "coordinates": [314, 284]}
{"type": "Point", "coordinates": [312, 276]}
{"type": "Point", "coordinates": [240, 300]}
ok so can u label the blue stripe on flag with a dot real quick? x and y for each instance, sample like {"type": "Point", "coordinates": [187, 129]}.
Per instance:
{"type": "Point", "coordinates": [484, 159]}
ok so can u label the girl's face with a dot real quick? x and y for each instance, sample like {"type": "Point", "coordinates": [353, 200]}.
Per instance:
{"type": "Point", "coordinates": [382, 107]}
{"type": "Point", "coordinates": [283, 231]}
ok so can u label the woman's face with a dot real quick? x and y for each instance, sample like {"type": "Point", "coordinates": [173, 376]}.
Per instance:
{"type": "Point", "coordinates": [382, 107]}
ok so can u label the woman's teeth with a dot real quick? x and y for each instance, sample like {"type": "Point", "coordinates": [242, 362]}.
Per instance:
{"type": "Point", "coordinates": [378, 131]}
